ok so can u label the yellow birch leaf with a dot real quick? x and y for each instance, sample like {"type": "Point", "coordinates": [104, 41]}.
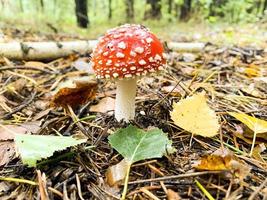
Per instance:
{"type": "Point", "coordinates": [255, 124]}
{"type": "Point", "coordinates": [194, 115]}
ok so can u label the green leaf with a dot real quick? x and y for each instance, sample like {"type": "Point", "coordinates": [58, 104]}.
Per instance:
{"type": "Point", "coordinates": [36, 147]}
{"type": "Point", "coordinates": [135, 144]}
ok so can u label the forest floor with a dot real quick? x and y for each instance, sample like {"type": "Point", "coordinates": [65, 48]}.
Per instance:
{"type": "Point", "coordinates": [232, 76]}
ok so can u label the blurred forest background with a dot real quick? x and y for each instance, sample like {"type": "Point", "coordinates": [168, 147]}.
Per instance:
{"type": "Point", "coordinates": [93, 17]}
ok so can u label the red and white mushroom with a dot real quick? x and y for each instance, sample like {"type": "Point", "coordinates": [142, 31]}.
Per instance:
{"type": "Point", "coordinates": [124, 54]}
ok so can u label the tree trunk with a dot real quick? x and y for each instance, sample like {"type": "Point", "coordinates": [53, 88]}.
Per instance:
{"type": "Point", "coordinates": [155, 10]}
{"type": "Point", "coordinates": [264, 8]}
{"type": "Point", "coordinates": [109, 9]}
{"type": "Point", "coordinates": [216, 4]}
{"type": "Point", "coordinates": [170, 2]}
{"type": "Point", "coordinates": [21, 6]}
{"type": "Point", "coordinates": [42, 5]}
{"type": "Point", "coordinates": [185, 10]}
{"type": "Point", "coordinates": [129, 9]}
{"type": "Point", "coordinates": [81, 13]}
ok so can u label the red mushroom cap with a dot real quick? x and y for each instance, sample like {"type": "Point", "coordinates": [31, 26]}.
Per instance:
{"type": "Point", "coordinates": [127, 51]}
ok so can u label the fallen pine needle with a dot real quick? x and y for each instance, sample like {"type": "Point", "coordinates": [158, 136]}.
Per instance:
{"type": "Point", "coordinates": [150, 194]}
{"type": "Point", "coordinates": [201, 187]}
{"type": "Point", "coordinates": [187, 175]}
{"type": "Point", "coordinates": [20, 180]}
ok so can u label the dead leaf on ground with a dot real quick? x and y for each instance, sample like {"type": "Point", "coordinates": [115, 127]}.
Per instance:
{"type": "Point", "coordinates": [7, 152]}
{"type": "Point", "coordinates": [3, 105]}
{"type": "Point", "coordinates": [104, 105]}
{"type": "Point", "coordinates": [257, 153]}
{"type": "Point", "coordinates": [83, 64]}
{"type": "Point", "coordinates": [74, 93]}
{"type": "Point", "coordinates": [7, 134]}
{"type": "Point", "coordinates": [255, 124]}
{"type": "Point", "coordinates": [223, 160]}
{"type": "Point", "coordinates": [173, 91]}
{"type": "Point", "coordinates": [17, 85]}
{"type": "Point", "coordinates": [195, 116]}
{"type": "Point", "coordinates": [171, 195]}
{"type": "Point", "coordinates": [116, 173]}
{"type": "Point", "coordinates": [253, 91]}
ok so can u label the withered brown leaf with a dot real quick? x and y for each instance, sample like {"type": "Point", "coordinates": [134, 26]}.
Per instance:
{"type": "Point", "coordinates": [83, 92]}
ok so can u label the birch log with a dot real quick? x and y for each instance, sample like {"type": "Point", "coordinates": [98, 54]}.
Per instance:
{"type": "Point", "coordinates": [53, 50]}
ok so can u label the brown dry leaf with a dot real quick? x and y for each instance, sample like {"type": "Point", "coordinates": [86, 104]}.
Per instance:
{"type": "Point", "coordinates": [42, 185]}
{"type": "Point", "coordinates": [83, 64]}
{"type": "Point", "coordinates": [7, 133]}
{"type": "Point", "coordinates": [257, 152]}
{"type": "Point", "coordinates": [223, 160]}
{"type": "Point", "coordinates": [194, 115]}
{"type": "Point", "coordinates": [251, 90]}
{"type": "Point", "coordinates": [7, 152]}
{"type": "Point", "coordinates": [116, 173]}
{"type": "Point", "coordinates": [104, 105]}
{"type": "Point", "coordinates": [17, 85]}
{"type": "Point", "coordinates": [3, 105]}
{"type": "Point", "coordinates": [172, 90]}
{"type": "Point", "coordinates": [74, 93]}
{"type": "Point", "coordinates": [171, 195]}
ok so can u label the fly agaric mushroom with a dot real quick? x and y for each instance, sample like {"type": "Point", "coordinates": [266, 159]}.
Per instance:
{"type": "Point", "coordinates": [124, 54]}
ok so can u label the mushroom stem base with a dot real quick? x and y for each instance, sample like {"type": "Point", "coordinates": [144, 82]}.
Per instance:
{"type": "Point", "coordinates": [125, 99]}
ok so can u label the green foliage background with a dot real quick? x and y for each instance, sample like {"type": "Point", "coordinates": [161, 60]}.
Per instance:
{"type": "Point", "coordinates": [63, 11]}
{"type": "Point", "coordinates": [61, 15]}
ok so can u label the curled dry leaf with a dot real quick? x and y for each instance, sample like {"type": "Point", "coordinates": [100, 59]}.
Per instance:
{"type": "Point", "coordinates": [104, 105]}
{"type": "Point", "coordinates": [74, 93]}
{"type": "Point", "coordinates": [194, 115]}
{"type": "Point", "coordinates": [7, 152]}
{"type": "Point", "coordinates": [171, 195]}
{"type": "Point", "coordinates": [223, 160]}
{"type": "Point", "coordinates": [255, 124]}
{"type": "Point", "coordinates": [83, 64]}
{"type": "Point", "coordinates": [116, 173]}
{"type": "Point", "coordinates": [7, 134]}
{"type": "Point", "coordinates": [3, 105]}
{"type": "Point", "coordinates": [257, 153]}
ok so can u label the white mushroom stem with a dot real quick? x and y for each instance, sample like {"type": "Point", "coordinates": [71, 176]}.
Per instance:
{"type": "Point", "coordinates": [125, 99]}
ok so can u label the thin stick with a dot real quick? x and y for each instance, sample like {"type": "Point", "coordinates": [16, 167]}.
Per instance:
{"type": "Point", "coordinates": [151, 195]}
{"type": "Point", "coordinates": [253, 195]}
{"type": "Point", "coordinates": [174, 177]}
{"type": "Point", "coordinates": [26, 68]}
{"type": "Point", "coordinates": [8, 115]}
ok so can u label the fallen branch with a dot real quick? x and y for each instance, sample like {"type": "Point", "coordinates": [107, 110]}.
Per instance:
{"type": "Point", "coordinates": [53, 50]}
{"type": "Point", "coordinates": [186, 46]}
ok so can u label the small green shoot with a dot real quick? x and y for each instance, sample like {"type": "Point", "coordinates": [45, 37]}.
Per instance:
{"type": "Point", "coordinates": [206, 193]}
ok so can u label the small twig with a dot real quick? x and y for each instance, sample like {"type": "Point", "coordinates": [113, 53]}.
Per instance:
{"type": "Point", "coordinates": [26, 68]}
{"type": "Point", "coordinates": [253, 195]}
{"type": "Point", "coordinates": [174, 177]}
{"type": "Point", "coordinates": [79, 187]}
{"type": "Point", "coordinates": [19, 108]}
{"type": "Point", "coordinates": [151, 195]}
{"type": "Point", "coordinates": [25, 181]}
